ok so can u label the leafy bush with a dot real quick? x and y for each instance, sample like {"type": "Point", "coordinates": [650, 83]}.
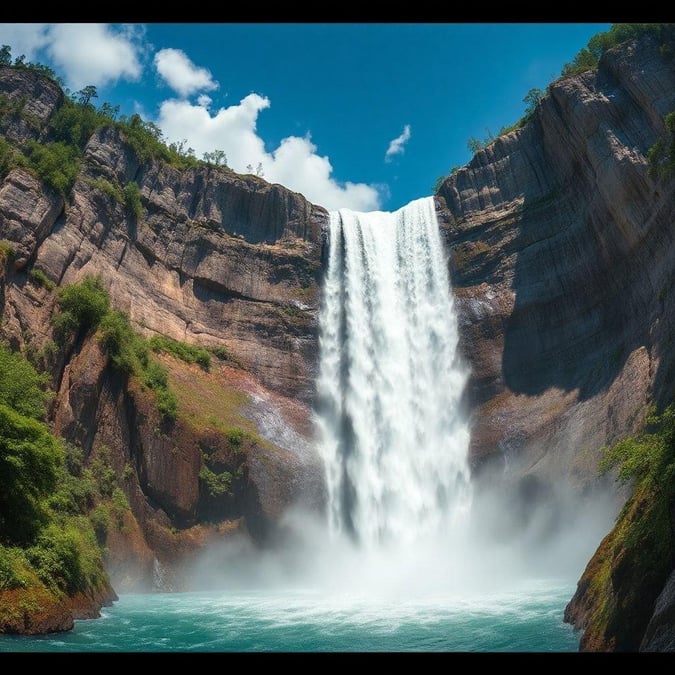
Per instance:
{"type": "Point", "coordinates": [216, 483]}
{"type": "Point", "coordinates": [155, 376]}
{"type": "Point", "coordinates": [235, 436]}
{"type": "Point", "coordinates": [649, 456]}
{"type": "Point", "coordinates": [589, 56]}
{"type": "Point", "coordinates": [103, 473]}
{"type": "Point", "coordinates": [83, 306]}
{"type": "Point", "coordinates": [119, 506]}
{"type": "Point", "coordinates": [66, 556]}
{"type": "Point", "coordinates": [74, 124]}
{"type": "Point", "coordinates": [167, 404]}
{"type": "Point", "coordinates": [12, 560]}
{"type": "Point", "coordinates": [132, 198]}
{"type": "Point", "coordinates": [221, 351]}
{"type": "Point", "coordinates": [57, 164]}
{"type": "Point", "coordinates": [21, 386]}
{"type": "Point", "coordinates": [100, 521]}
{"type": "Point", "coordinates": [661, 156]}
{"type": "Point", "coordinates": [125, 349]}
{"type": "Point", "coordinates": [29, 464]}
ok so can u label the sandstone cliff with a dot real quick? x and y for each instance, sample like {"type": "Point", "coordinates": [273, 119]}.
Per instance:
{"type": "Point", "coordinates": [212, 258]}
{"type": "Point", "coordinates": [561, 256]}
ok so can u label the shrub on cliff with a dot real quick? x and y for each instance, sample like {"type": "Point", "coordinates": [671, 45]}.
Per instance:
{"type": "Point", "coordinates": [661, 156]}
{"type": "Point", "coordinates": [29, 460]}
{"type": "Point", "coordinates": [57, 164]}
{"type": "Point", "coordinates": [46, 539]}
{"type": "Point", "coordinates": [623, 579]}
{"type": "Point", "coordinates": [83, 305]}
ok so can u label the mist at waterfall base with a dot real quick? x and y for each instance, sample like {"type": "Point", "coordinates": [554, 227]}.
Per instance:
{"type": "Point", "coordinates": [403, 522]}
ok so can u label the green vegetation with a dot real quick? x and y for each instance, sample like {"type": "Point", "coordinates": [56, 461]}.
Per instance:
{"type": "Point", "coordinates": [22, 388]}
{"type": "Point", "coordinates": [106, 187]}
{"type": "Point", "coordinates": [181, 350]}
{"type": "Point", "coordinates": [6, 157]}
{"type": "Point", "coordinates": [216, 483]}
{"type": "Point", "coordinates": [85, 308]}
{"type": "Point", "coordinates": [648, 457]}
{"type": "Point", "coordinates": [632, 563]}
{"type": "Point", "coordinates": [57, 164]}
{"type": "Point", "coordinates": [155, 377]}
{"type": "Point", "coordinates": [661, 156]}
{"type": "Point", "coordinates": [588, 57]}
{"type": "Point", "coordinates": [132, 199]}
{"type": "Point", "coordinates": [221, 352]}
{"type": "Point", "coordinates": [39, 278]}
{"type": "Point", "coordinates": [127, 352]}
{"type": "Point", "coordinates": [82, 306]}
{"type": "Point", "coordinates": [6, 251]}
{"type": "Point", "coordinates": [46, 540]}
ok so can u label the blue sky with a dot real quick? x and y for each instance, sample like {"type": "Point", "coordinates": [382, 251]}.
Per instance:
{"type": "Point", "coordinates": [364, 116]}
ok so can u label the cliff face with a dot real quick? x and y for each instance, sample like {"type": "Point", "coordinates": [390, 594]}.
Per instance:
{"type": "Point", "coordinates": [561, 257]}
{"type": "Point", "coordinates": [213, 259]}
{"type": "Point", "coordinates": [561, 261]}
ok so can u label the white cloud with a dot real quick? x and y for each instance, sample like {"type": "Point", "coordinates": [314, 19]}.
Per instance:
{"type": "Point", "coordinates": [181, 74]}
{"type": "Point", "coordinates": [94, 53]}
{"type": "Point", "coordinates": [24, 38]}
{"type": "Point", "coordinates": [204, 100]}
{"type": "Point", "coordinates": [294, 163]}
{"type": "Point", "coordinates": [396, 147]}
{"type": "Point", "coordinates": [82, 53]}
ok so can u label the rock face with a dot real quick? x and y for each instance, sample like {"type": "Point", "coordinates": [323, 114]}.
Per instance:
{"type": "Point", "coordinates": [660, 633]}
{"type": "Point", "coordinates": [561, 259]}
{"type": "Point", "coordinates": [211, 258]}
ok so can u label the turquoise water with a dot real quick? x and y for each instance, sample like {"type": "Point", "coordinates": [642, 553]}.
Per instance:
{"type": "Point", "coordinates": [527, 619]}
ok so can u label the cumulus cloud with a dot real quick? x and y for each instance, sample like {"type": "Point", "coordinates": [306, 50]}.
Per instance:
{"type": "Point", "coordinates": [183, 76]}
{"type": "Point", "coordinates": [397, 146]}
{"type": "Point", "coordinates": [95, 53]}
{"type": "Point", "coordinates": [294, 163]}
{"type": "Point", "coordinates": [82, 53]}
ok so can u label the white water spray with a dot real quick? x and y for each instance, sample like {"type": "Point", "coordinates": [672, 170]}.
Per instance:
{"type": "Point", "coordinates": [393, 437]}
{"type": "Point", "coordinates": [405, 527]}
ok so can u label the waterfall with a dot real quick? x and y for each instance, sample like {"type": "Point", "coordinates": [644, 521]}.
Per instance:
{"type": "Point", "coordinates": [392, 435]}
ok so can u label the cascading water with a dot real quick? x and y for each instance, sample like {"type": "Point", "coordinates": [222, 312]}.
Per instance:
{"type": "Point", "coordinates": [393, 438]}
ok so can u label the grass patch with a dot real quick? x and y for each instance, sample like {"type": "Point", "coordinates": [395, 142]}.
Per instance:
{"type": "Point", "coordinates": [181, 350]}
{"type": "Point", "coordinates": [39, 278]}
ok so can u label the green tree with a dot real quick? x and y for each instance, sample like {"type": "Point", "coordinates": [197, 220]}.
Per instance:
{"type": "Point", "coordinates": [217, 158]}
{"type": "Point", "coordinates": [661, 156]}
{"type": "Point", "coordinates": [5, 55]}
{"type": "Point", "coordinates": [107, 110]}
{"type": "Point", "coordinates": [85, 94]}
{"type": "Point", "coordinates": [532, 99]}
